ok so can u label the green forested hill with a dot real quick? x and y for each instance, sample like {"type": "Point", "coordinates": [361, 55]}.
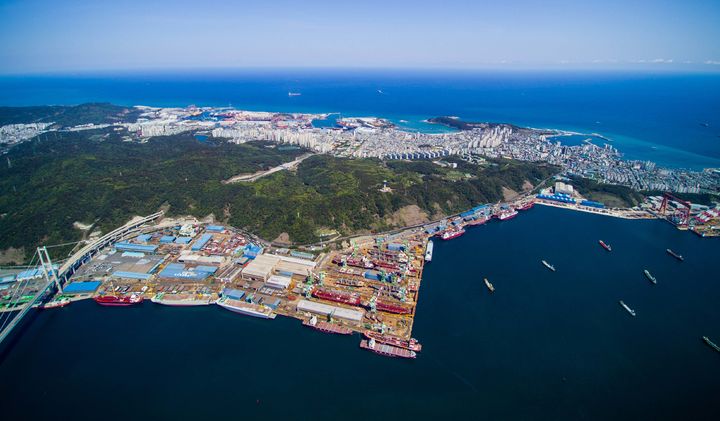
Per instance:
{"type": "Point", "coordinates": [94, 177]}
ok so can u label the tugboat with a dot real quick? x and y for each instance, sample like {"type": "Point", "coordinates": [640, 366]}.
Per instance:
{"type": "Point", "coordinates": [675, 255]}
{"type": "Point", "coordinates": [650, 277]}
{"type": "Point", "coordinates": [548, 265]}
{"type": "Point", "coordinates": [605, 246]}
{"type": "Point", "coordinates": [711, 343]}
{"type": "Point", "coordinates": [489, 285]}
{"type": "Point", "coordinates": [629, 310]}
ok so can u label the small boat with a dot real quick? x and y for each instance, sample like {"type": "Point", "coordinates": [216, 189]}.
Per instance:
{"type": "Point", "coordinates": [605, 246]}
{"type": "Point", "coordinates": [711, 343]}
{"type": "Point", "coordinates": [548, 265]}
{"type": "Point", "coordinates": [629, 310]}
{"type": "Point", "coordinates": [675, 255]}
{"type": "Point", "coordinates": [650, 277]}
{"type": "Point", "coordinates": [489, 285]}
{"type": "Point", "coordinates": [294, 94]}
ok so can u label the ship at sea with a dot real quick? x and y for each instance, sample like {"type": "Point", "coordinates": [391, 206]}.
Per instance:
{"type": "Point", "coordinates": [412, 344]}
{"type": "Point", "coordinates": [452, 233]}
{"type": "Point", "coordinates": [56, 303]}
{"type": "Point", "coordinates": [605, 246]}
{"type": "Point", "coordinates": [181, 299]}
{"type": "Point", "coordinates": [249, 309]}
{"type": "Point", "coordinates": [294, 93]}
{"type": "Point", "coordinates": [386, 350]}
{"type": "Point", "coordinates": [675, 255]}
{"type": "Point", "coordinates": [489, 285]}
{"type": "Point", "coordinates": [711, 343]}
{"type": "Point", "coordinates": [629, 310]}
{"type": "Point", "coordinates": [650, 277]}
{"type": "Point", "coordinates": [115, 301]}
{"type": "Point", "coordinates": [429, 251]}
{"type": "Point", "coordinates": [326, 327]}
{"type": "Point", "coordinates": [548, 265]}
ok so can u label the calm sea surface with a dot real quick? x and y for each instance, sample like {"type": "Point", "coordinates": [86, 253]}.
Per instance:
{"type": "Point", "coordinates": [672, 119]}
{"type": "Point", "coordinates": [543, 346]}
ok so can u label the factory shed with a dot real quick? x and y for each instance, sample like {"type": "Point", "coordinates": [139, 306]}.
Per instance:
{"type": "Point", "coordinates": [143, 238]}
{"type": "Point", "coordinates": [199, 244]}
{"type": "Point", "coordinates": [124, 246]}
{"type": "Point", "coordinates": [165, 239]}
{"type": "Point", "coordinates": [131, 275]}
{"type": "Point", "coordinates": [183, 240]}
{"type": "Point", "coordinates": [327, 310]}
{"type": "Point", "coordinates": [215, 228]}
{"type": "Point", "coordinates": [277, 281]}
{"type": "Point", "coordinates": [81, 287]}
{"type": "Point", "coordinates": [260, 268]}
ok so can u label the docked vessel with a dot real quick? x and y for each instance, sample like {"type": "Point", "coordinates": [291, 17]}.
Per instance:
{"type": "Point", "coordinates": [629, 310]}
{"type": "Point", "coordinates": [605, 246]}
{"type": "Point", "coordinates": [526, 205]}
{"type": "Point", "coordinates": [348, 282]}
{"type": "Point", "coordinates": [326, 327]}
{"type": "Point", "coordinates": [386, 350]}
{"type": "Point", "coordinates": [350, 298]}
{"type": "Point", "coordinates": [452, 233]}
{"type": "Point", "coordinates": [61, 302]}
{"type": "Point", "coordinates": [711, 343]}
{"type": "Point", "coordinates": [181, 300]}
{"type": "Point", "coordinates": [115, 301]}
{"type": "Point", "coordinates": [392, 307]}
{"type": "Point", "coordinates": [248, 309]}
{"type": "Point", "coordinates": [489, 285]}
{"type": "Point", "coordinates": [548, 265]}
{"type": "Point", "coordinates": [506, 214]}
{"type": "Point", "coordinates": [411, 344]}
{"type": "Point", "coordinates": [479, 220]}
{"type": "Point", "coordinates": [675, 255]}
{"type": "Point", "coordinates": [429, 251]}
{"type": "Point", "coordinates": [650, 277]}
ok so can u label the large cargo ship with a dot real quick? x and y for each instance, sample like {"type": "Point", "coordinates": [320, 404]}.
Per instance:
{"type": "Point", "coordinates": [650, 277]}
{"type": "Point", "coordinates": [548, 265]}
{"type": "Point", "coordinates": [411, 344]}
{"type": "Point", "coordinates": [675, 255]}
{"type": "Point", "coordinates": [386, 350]}
{"type": "Point", "coordinates": [452, 233]}
{"type": "Point", "coordinates": [489, 285]}
{"type": "Point", "coordinates": [711, 343]}
{"type": "Point", "coordinates": [392, 307]}
{"type": "Point", "coordinates": [506, 214]}
{"type": "Point", "coordinates": [326, 327]}
{"type": "Point", "coordinates": [248, 309]}
{"type": "Point", "coordinates": [181, 299]}
{"type": "Point", "coordinates": [114, 301]}
{"type": "Point", "coordinates": [429, 251]}
{"type": "Point", "coordinates": [605, 246]}
{"type": "Point", "coordinates": [350, 298]}
{"type": "Point", "coordinates": [629, 310]}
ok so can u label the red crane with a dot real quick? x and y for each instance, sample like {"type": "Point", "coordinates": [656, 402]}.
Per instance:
{"type": "Point", "coordinates": [683, 213]}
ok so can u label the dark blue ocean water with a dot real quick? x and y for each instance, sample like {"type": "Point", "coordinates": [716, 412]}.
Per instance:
{"type": "Point", "coordinates": [548, 346]}
{"type": "Point", "coordinates": [659, 117]}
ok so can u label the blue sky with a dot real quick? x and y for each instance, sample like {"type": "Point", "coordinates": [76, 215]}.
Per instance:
{"type": "Point", "coordinates": [68, 35]}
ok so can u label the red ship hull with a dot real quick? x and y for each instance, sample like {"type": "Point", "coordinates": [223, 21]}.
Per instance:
{"type": "Point", "coordinates": [337, 296]}
{"type": "Point", "coordinates": [605, 246]}
{"type": "Point", "coordinates": [411, 344]}
{"type": "Point", "coordinates": [392, 308]}
{"type": "Point", "coordinates": [112, 301]}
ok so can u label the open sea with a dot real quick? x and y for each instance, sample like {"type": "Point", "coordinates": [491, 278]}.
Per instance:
{"type": "Point", "coordinates": [544, 346]}
{"type": "Point", "coordinates": [672, 119]}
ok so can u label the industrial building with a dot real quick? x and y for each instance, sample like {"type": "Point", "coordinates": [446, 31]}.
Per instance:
{"type": "Point", "coordinates": [260, 268]}
{"type": "Point", "coordinates": [328, 310]}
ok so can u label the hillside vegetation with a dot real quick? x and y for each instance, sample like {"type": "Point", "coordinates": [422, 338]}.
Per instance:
{"type": "Point", "coordinates": [94, 177]}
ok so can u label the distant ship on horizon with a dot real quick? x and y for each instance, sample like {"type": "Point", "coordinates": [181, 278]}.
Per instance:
{"type": "Point", "coordinates": [291, 93]}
